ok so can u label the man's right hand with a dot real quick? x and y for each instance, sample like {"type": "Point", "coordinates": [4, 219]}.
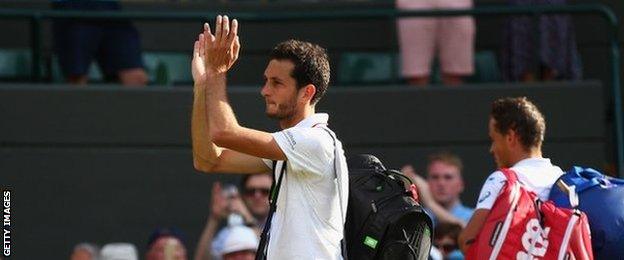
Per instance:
{"type": "Point", "coordinates": [221, 49]}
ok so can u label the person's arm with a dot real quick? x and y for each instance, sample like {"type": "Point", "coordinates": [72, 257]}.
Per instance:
{"type": "Point", "coordinates": [488, 195]}
{"type": "Point", "coordinates": [203, 250]}
{"type": "Point", "coordinates": [472, 229]}
{"type": "Point", "coordinates": [238, 206]}
{"type": "Point", "coordinates": [207, 156]}
{"type": "Point", "coordinates": [426, 198]}
{"type": "Point", "coordinates": [205, 152]}
{"type": "Point", "coordinates": [441, 213]}
{"type": "Point", "coordinates": [218, 211]}
{"type": "Point", "coordinates": [221, 52]}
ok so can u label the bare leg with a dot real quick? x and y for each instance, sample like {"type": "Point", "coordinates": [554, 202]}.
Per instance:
{"type": "Point", "coordinates": [135, 77]}
{"type": "Point", "coordinates": [418, 81]}
{"type": "Point", "coordinates": [452, 79]}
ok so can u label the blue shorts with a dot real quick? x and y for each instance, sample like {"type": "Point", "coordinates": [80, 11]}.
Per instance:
{"type": "Point", "coordinates": [114, 44]}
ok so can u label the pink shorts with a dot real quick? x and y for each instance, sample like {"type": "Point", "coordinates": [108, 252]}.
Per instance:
{"type": "Point", "coordinates": [451, 38]}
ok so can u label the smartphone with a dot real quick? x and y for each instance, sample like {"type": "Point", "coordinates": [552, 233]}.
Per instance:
{"type": "Point", "coordinates": [229, 191]}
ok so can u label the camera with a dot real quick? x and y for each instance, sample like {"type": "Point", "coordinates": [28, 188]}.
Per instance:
{"type": "Point", "coordinates": [229, 191]}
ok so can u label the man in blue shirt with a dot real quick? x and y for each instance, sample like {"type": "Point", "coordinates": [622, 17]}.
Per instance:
{"type": "Point", "coordinates": [444, 176]}
{"type": "Point", "coordinates": [440, 192]}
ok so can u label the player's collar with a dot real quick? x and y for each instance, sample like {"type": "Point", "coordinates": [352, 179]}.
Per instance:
{"type": "Point", "coordinates": [318, 118]}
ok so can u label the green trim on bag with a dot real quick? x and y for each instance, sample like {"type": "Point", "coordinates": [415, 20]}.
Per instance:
{"type": "Point", "coordinates": [371, 242]}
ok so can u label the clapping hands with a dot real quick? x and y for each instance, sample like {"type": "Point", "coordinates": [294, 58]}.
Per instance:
{"type": "Point", "coordinates": [214, 54]}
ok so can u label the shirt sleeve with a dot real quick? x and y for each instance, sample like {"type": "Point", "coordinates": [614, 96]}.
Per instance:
{"type": "Point", "coordinates": [490, 190]}
{"type": "Point", "coordinates": [307, 149]}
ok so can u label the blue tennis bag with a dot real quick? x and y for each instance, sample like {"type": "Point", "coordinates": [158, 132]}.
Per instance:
{"type": "Point", "coordinates": [602, 199]}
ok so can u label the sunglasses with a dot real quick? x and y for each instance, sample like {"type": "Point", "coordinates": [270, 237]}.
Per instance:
{"type": "Point", "coordinates": [254, 191]}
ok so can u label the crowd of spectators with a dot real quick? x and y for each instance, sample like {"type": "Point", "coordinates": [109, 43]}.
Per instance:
{"type": "Point", "coordinates": [532, 49]}
{"type": "Point", "coordinates": [542, 49]}
{"type": "Point", "coordinates": [231, 232]}
{"type": "Point", "coordinates": [236, 218]}
{"type": "Point", "coordinates": [516, 128]}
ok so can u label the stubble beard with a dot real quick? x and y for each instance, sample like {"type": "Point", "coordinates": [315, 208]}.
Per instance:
{"type": "Point", "coordinates": [284, 111]}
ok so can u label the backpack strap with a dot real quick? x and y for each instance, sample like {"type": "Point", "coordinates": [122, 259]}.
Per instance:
{"type": "Point", "coordinates": [512, 182]}
{"type": "Point", "coordinates": [339, 188]}
{"type": "Point", "coordinates": [570, 190]}
{"type": "Point", "coordinates": [275, 188]}
{"type": "Point", "coordinates": [510, 175]}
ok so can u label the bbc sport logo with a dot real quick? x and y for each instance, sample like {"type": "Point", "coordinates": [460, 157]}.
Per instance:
{"type": "Point", "coordinates": [6, 222]}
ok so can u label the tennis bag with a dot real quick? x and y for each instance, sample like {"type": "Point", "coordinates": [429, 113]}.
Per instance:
{"type": "Point", "coordinates": [384, 220]}
{"type": "Point", "coordinates": [602, 199]}
{"type": "Point", "coordinates": [521, 226]}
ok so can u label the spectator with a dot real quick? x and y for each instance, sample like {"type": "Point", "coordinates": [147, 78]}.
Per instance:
{"type": "Point", "coordinates": [452, 39]}
{"type": "Point", "coordinates": [85, 251]}
{"type": "Point", "coordinates": [444, 176]}
{"type": "Point", "coordinates": [434, 209]}
{"type": "Point", "coordinates": [240, 243]}
{"type": "Point", "coordinates": [256, 188]}
{"type": "Point", "coordinates": [445, 240]}
{"type": "Point", "coordinates": [119, 251]}
{"type": "Point", "coordinates": [115, 44]}
{"type": "Point", "coordinates": [166, 244]}
{"type": "Point", "coordinates": [558, 55]}
{"type": "Point", "coordinates": [252, 210]}
{"type": "Point", "coordinates": [516, 128]}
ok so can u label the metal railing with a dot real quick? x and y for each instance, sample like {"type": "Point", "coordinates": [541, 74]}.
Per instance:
{"type": "Point", "coordinates": [36, 18]}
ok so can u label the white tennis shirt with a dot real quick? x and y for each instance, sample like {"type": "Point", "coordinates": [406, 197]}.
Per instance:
{"type": "Point", "coordinates": [307, 223]}
{"type": "Point", "coordinates": [536, 174]}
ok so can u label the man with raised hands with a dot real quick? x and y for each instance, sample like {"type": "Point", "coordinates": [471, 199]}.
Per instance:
{"type": "Point", "coordinates": [312, 190]}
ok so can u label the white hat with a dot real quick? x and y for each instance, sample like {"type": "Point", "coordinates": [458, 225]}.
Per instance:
{"type": "Point", "coordinates": [239, 238]}
{"type": "Point", "coordinates": [119, 251]}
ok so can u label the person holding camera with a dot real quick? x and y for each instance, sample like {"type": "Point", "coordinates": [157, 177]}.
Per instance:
{"type": "Point", "coordinates": [228, 205]}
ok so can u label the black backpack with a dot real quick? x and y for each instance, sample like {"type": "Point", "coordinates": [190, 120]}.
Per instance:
{"type": "Point", "coordinates": [384, 221]}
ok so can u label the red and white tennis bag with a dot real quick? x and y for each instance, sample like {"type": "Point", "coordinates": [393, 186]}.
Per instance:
{"type": "Point", "coordinates": [520, 226]}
